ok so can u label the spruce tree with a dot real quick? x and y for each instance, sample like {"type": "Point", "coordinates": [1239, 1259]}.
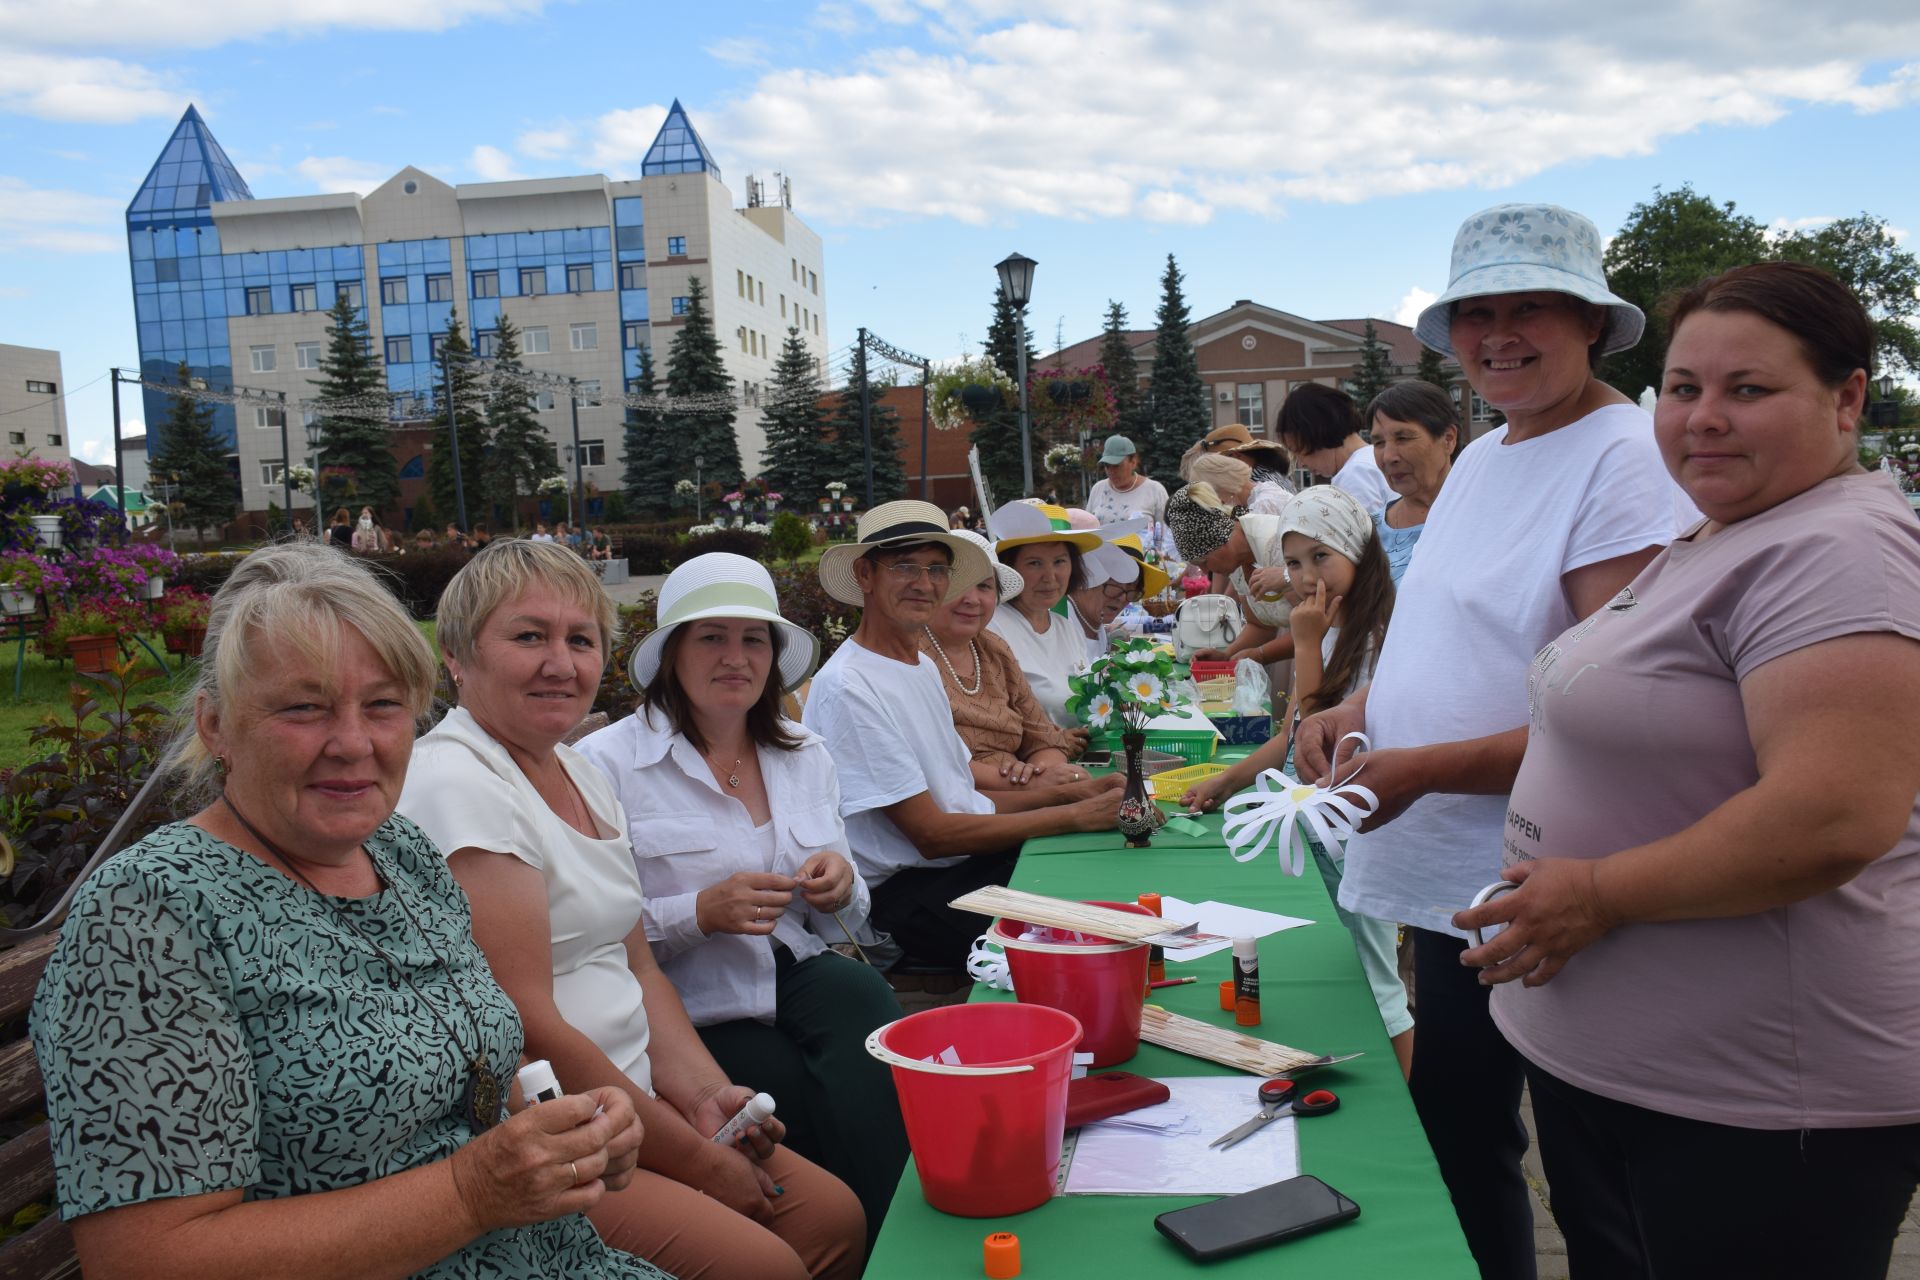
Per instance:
{"type": "Point", "coordinates": [1123, 371]}
{"type": "Point", "coordinates": [1180, 414]}
{"type": "Point", "coordinates": [1375, 372]}
{"type": "Point", "coordinates": [194, 454]}
{"type": "Point", "coordinates": [523, 452]}
{"type": "Point", "coordinates": [695, 369]}
{"type": "Point", "coordinates": [455, 366]}
{"type": "Point", "coordinates": [1430, 369]}
{"type": "Point", "coordinates": [847, 453]}
{"type": "Point", "coordinates": [652, 464]}
{"type": "Point", "coordinates": [997, 433]}
{"type": "Point", "coordinates": [797, 446]}
{"type": "Point", "coordinates": [351, 395]}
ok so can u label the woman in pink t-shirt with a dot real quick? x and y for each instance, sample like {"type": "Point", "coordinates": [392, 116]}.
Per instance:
{"type": "Point", "coordinates": [1716, 836]}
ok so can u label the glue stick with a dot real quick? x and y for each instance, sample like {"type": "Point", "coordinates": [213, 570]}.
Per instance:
{"type": "Point", "coordinates": [757, 1109]}
{"type": "Point", "coordinates": [1246, 982]}
{"type": "Point", "coordinates": [1156, 956]}
{"type": "Point", "coordinates": [538, 1083]}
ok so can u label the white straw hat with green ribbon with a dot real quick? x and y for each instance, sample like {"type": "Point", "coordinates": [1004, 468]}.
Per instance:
{"type": "Point", "coordinates": [723, 585]}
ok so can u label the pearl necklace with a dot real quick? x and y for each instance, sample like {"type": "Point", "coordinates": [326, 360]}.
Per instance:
{"type": "Point", "coordinates": [979, 672]}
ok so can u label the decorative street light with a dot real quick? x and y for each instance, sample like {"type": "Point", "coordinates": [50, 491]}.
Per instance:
{"type": "Point", "coordinates": [1016, 279]}
{"type": "Point", "coordinates": [699, 461]}
{"type": "Point", "coordinates": [1886, 411]}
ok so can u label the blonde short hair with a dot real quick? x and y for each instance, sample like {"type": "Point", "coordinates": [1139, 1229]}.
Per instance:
{"type": "Point", "coordinates": [307, 595]}
{"type": "Point", "coordinates": [1225, 473]}
{"type": "Point", "coordinates": [504, 570]}
{"type": "Point", "coordinates": [1206, 496]}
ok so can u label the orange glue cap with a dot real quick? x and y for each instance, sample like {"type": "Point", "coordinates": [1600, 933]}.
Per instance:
{"type": "Point", "coordinates": [1002, 1256]}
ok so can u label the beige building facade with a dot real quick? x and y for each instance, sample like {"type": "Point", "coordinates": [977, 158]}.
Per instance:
{"type": "Point", "coordinates": [33, 409]}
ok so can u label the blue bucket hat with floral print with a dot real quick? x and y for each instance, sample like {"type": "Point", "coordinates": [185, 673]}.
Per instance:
{"type": "Point", "coordinates": [1523, 248]}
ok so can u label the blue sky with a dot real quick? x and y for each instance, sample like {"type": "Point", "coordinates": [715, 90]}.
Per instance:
{"type": "Point", "coordinates": [1315, 157]}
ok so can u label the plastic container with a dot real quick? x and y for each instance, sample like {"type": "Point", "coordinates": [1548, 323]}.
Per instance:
{"type": "Point", "coordinates": [1195, 746]}
{"type": "Point", "coordinates": [1102, 983]}
{"type": "Point", "coordinates": [985, 1133]}
{"type": "Point", "coordinates": [1203, 669]}
{"type": "Point", "coordinates": [1173, 784]}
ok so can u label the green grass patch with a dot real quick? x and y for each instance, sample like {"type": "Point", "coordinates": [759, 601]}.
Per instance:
{"type": "Point", "coordinates": [44, 686]}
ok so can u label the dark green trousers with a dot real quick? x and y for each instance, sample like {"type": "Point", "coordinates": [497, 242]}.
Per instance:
{"type": "Point", "coordinates": [838, 1104]}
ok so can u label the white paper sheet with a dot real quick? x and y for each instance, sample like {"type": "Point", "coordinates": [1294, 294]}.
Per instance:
{"type": "Point", "coordinates": [1225, 919]}
{"type": "Point", "coordinates": [1162, 1150]}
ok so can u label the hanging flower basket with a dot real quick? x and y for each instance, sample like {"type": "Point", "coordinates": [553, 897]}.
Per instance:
{"type": "Point", "coordinates": [156, 586]}
{"type": "Point", "coordinates": [16, 604]}
{"type": "Point", "coordinates": [826, 504]}
{"type": "Point", "coordinates": [47, 532]}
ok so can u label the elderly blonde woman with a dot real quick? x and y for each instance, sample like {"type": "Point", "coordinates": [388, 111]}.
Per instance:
{"type": "Point", "coordinates": [1233, 480]}
{"type": "Point", "coordinates": [269, 1042]}
{"type": "Point", "coordinates": [538, 839]}
{"type": "Point", "coordinates": [1034, 540]}
{"type": "Point", "coordinates": [734, 814]}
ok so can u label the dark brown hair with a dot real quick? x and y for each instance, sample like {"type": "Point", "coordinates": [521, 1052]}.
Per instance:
{"type": "Point", "coordinates": [1076, 579]}
{"type": "Point", "coordinates": [1315, 416]}
{"type": "Point", "coordinates": [1424, 405]}
{"type": "Point", "coordinates": [766, 722]}
{"type": "Point", "coordinates": [1366, 611]}
{"type": "Point", "coordinates": [1833, 329]}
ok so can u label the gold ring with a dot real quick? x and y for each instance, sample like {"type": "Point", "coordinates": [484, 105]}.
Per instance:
{"type": "Point", "coordinates": [574, 1169]}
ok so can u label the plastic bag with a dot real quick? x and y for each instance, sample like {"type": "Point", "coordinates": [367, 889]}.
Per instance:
{"type": "Point", "coordinates": [1252, 690]}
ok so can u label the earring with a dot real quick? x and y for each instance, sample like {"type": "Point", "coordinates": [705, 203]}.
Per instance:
{"type": "Point", "coordinates": [220, 766]}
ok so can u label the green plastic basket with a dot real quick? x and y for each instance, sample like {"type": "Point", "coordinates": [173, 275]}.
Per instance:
{"type": "Point", "coordinates": [1195, 746]}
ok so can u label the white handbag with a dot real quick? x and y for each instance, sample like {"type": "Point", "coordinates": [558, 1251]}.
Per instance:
{"type": "Point", "coordinates": [1205, 622]}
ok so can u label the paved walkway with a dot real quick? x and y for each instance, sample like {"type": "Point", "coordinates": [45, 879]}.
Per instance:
{"type": "Point", "coordinates": [629, 592]}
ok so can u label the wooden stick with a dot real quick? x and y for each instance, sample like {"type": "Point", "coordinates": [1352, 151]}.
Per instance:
{"type": "Point", "coordinates": [1082, 917]}
{"type": "Point", "coordinates": [1223, 1045]}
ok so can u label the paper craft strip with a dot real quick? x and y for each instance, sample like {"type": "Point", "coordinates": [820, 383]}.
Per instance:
{"type": "Point", "coordinates": [1273, 809]}
{"type": "Point", "coordinates": [1223, 1045]}
{"type": "Point", "coordinates": [1059, 913]}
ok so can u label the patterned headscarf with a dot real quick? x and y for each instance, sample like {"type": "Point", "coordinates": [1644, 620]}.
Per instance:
{"type": "Point", "coordinates": [1200, 522]}
{"type": "Point", "coordinates": [1329, 515]}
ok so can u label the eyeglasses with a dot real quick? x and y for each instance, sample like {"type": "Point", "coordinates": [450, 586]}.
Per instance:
{"type": "Point", "coordinates": [906, 573]}
{"type": "Point", "coordinates": [1117, 590]}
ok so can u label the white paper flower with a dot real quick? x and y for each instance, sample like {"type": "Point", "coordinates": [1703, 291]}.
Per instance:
{"type": "Point", "coordinates": [1276, 806]}
{"type": "Point", "coordinates": [1141, 657]}
{"type": "Point", "coordinates": [1100, 710]}
{"type": "Point", "coordinates": [1146, 687]}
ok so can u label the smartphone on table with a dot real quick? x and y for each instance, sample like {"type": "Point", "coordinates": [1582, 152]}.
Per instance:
{"type": "Point", "coordinates": [1263, 1216]}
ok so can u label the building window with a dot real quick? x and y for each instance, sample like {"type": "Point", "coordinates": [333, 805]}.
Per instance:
{"type": "Point", "coordinates": [680, 305]}
{"type": "Point", "coordinates": [260, 302]}
{"type": "Point", "coordinates": [633, 275]}
{"type": "Point", "coordinates": [55, 439]}
{"type": "Point", "coordinates": [261, 359]}
{"type": "Point", "coordinates": [485, 343]}
{"type": "Point", "coordinates": [676, 246]}
{"type": "Point", "coordinates": [541, 401]}
{"type": "Point", "coordinates": [436, 343]}
{"type": "Point", "coordinates": [270, 472]}
{"type": "Point", "coordinates": [306, 355]}
{"type": "Point", "coordinates": [762, 287]}
{"type": "Point", "coordinates": [306, 297]}
{"type": "Point", "coordinates": [813, 281]}
{"type": "Point", "coordinates": [40, 388]}
{"type": "Point", "coordinates": [393, 290]}
{"type": "Point", "coordinates": [588, 390]}
{"type": "Point", "coordinates": [267, 419]}
{"type": "Point", "coordinates": [1481, 409]}
{"type": "Point", "coordinates": [400, 350]}
{"type": "Point", "coordinates": [350, 290]}
{"type": "Point", "coordinates": [16, 437]}
{"type": "Point", "coordinates": [795, 264]}
{"type": "Point", "coordinates": [593, 453]}
{"type": "Point", "coordinates": [486, 284]}
{"type": "Point", "coordinates": [783, 306]}
{"type": "Point", "coordinates": [533, 281]}
{"type": "Point", "coordinates": [741, 333]}
{"type": "Point", "coordinates": [583, 337]}
{"type": "Point", "coordinates": [535, 340]}
{"type": "Point", "coordinates": [740, 282]}
{"type": "Point", "coordinates": [1252, 404]}
{"type": "Point", "coordinates": [439, 288]}
{"type": "Point", "coordinates": [634, 335]}
{"type": "Point", "coordinates": [580, 278]}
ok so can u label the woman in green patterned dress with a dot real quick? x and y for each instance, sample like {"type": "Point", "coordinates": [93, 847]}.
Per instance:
{"type": "Point", "coordinates": [270, 1044]}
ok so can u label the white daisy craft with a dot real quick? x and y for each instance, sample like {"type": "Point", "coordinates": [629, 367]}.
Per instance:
{"type": "Point", "coordinates": [1280, 809]}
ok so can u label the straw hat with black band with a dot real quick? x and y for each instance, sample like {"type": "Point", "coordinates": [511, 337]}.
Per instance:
{"type": "Point", "coordinates": [905, 523]}
{"type": "Point", "coordinates": [723, 585]}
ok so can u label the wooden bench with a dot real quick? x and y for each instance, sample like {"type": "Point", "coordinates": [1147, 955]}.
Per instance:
{"type": "Point", "coordinates": [45, 1250]}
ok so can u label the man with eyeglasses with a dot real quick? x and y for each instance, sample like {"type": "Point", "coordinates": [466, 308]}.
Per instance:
{"type": "Point", "coordinates": [921, 833]}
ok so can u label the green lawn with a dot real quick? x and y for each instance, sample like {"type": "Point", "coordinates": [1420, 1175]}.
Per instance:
{"type": "Point", "coordinates": [44, 690]}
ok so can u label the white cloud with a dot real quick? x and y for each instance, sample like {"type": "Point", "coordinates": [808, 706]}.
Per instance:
{"type": "Point", "coordinates": [59, 221]}
{"type": "Point", "coordinates": [1408, 309]}
{"type": "Point", "coordinates": [332, 174]}
{"type": "Point", "coordinates": [493, 164]}
{"type": "Point", "coordinates": [83, 90]}
{"type": "Point", "coordinates": [739, 51]}
{"type": "Point", "coordinates": [206, 23]}
{"type": "Point", "coordinates": [99, 449]}
{"type": "Point", "coordinates": [1172, 206]}
{"type": "Point", "coordinates": [544, 144]}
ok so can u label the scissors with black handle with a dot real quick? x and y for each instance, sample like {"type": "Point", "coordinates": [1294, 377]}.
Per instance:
{"type": "Point", "coordinates": [1280, 1098]}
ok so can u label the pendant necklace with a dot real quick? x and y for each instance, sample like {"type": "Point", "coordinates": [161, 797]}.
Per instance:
{"type": "Point", "coordinates": [733, 775]}
{"type": "Point", "coordinates": [480, 1095]}
{"type": "Point", "coordinates": [979, 673]}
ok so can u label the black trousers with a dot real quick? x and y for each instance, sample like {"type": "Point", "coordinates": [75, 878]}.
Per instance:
{"type": "Point", "coordinates": [1641, 1193]}
{"type": "Point", "coordinates": [1466, 1085]}
{"type": "Point", "coordinates": [912, 906]}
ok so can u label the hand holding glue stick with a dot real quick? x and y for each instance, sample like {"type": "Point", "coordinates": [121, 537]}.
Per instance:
{"type": "Point", "coordinates": [613, 1132]}
{"type": "Point", "coordinates": [757, 1110]}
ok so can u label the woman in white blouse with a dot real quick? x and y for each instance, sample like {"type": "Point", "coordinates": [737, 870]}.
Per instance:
{"type": "Point", "coordinates": [734, 815]}
{"type": "Point", "coordinates": [538, 840]}
{"type": "Point", "coordinates": [1035, 541]}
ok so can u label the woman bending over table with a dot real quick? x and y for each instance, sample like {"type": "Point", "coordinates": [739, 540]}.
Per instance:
{"type": "Point", "coordinates": [538, 839]}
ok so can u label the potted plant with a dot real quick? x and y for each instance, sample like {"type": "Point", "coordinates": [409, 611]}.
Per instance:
{"type": "Point", "coordinates": [734, 499]}
{"type": "Point", "coordinates": [24, 577]}
{"type": "Point", "coordinates": [84, 633]}
{"type": "Point", "coordinates": [155, 563]}
{"type": "Point", "coordinates": [183, 621]}
{"type": "Point", "coordinates": [826, 503]}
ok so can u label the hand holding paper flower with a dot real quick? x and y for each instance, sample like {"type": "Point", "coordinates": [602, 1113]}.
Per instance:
{"type": "Point", "coordinates": [1275, 807]}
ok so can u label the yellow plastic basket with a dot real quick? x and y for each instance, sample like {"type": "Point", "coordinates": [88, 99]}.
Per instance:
{"type": "Point", "coordinates": [1173, 784]}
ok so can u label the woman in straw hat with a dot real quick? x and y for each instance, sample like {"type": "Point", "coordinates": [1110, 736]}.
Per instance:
{"type": "Point", "coordinates": [1542, 522]}
{"type": "Point", "coordinates": [1037, 542]}
{"type": "Point", "coordinates": [734, 813]}
{"type": "Point", "coordinates": [1118, 574]}
{"type": "Point", "coordinates": [540, 841]}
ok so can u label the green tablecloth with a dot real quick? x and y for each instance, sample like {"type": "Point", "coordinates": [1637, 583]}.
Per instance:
{"type": "Point", "coordinates": [1314, 997]}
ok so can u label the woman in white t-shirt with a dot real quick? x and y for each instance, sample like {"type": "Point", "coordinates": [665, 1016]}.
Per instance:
{"type": "Point", "coordinates": [1035, 541]}
{"type": "Point", "coordinates": [1541, 522]}
{"type": "Point", "coordinates": [538, 839]}
{"type": "Point", "coordinates": [1320, 426]}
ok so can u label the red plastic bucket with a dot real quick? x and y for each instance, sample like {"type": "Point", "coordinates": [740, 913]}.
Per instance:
{"type": "Point", "coordinates": [985, 1132]}
{"type": "Point", "coordinates": [1101, 982]}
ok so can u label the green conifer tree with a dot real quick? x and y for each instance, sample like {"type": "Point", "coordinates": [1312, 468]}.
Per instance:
{"type": "Point", "coordinates": [997, 434]}
{"type": "Point", "coordinates": [695, 370]}
{"type": "Point", "coordinates": [1374, 373]}
{"type": "Point", "coordinates": [523, 452]}
{"type": "Point", "coordinates": [1123, 371]}
{"type": "Point", "coordinates": [847, 454]}
{"type": "Point", "coordinates": [1432, 369]}
{"type": "Point", "coordinates": [193, 453]}
{"type": "Point", "coordinates": [652, 464]}
{"type": "Point", "coordinates": [1180, 414]}
{"type": "Point", "coordinates": [455, 370]}
{"type": "Point", "coordinates": [351, 392]}
{"type": "Point", "coordinates": [798, 449]}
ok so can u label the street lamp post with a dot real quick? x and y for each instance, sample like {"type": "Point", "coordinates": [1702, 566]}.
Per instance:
{"type": "Point", "coordinates": [699, 510]}
{"type": "Point", "coordinates": [1885, 412]}
{"type": "Point", "coordinates": [1016, 278]}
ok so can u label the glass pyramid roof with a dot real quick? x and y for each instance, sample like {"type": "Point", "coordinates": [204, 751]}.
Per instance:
{"type": "Point", "coordinates": [191, 174]}
{"type": "Point", "coordinates": [677, 148]}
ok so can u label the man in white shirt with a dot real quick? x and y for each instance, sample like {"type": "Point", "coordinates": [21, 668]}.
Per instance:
{"type": "Point", "coordinates": [1321, 428]}
{"type": "Point", "coordinates": [1125, 493]}
{"type": "Point", "coordinates": [921, 833]}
